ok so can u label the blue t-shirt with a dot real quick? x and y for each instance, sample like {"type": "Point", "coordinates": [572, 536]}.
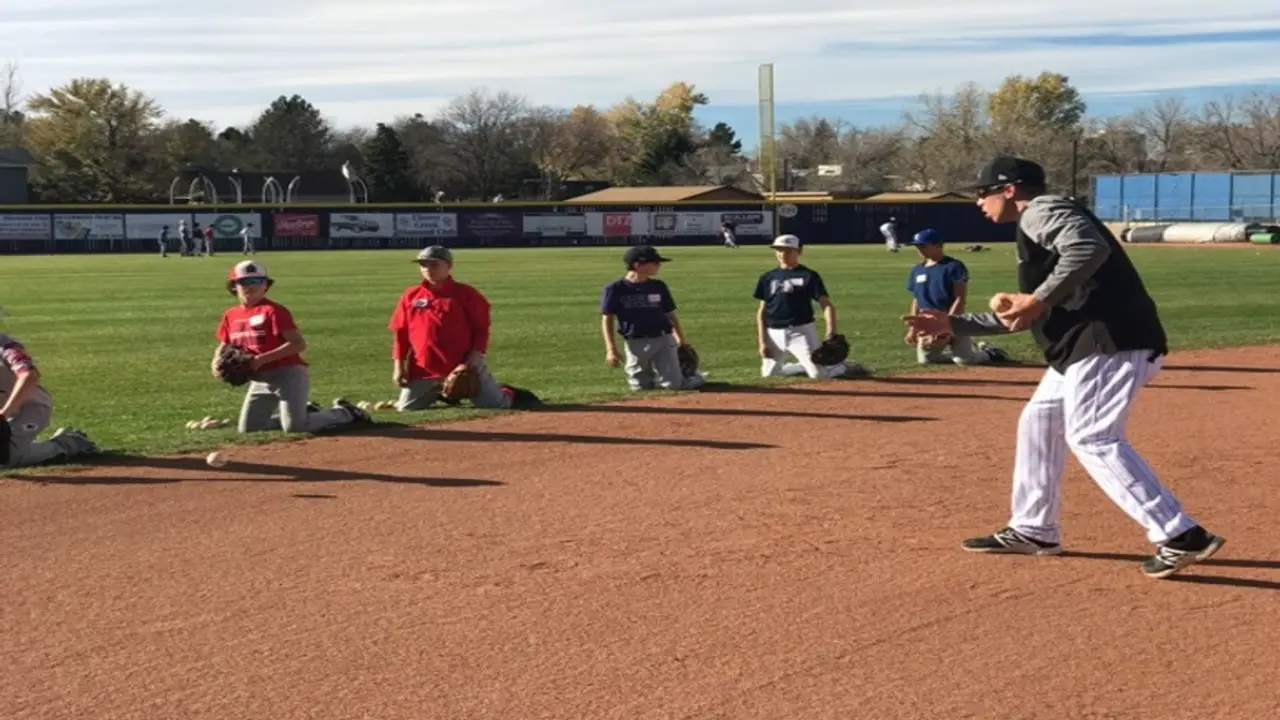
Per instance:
{"type": "Point", "coordinates": [641, 308]}
{"type": "Point", "coordinates": [789, 295]}
{"type": "Point", "coordinates": [934, 285]}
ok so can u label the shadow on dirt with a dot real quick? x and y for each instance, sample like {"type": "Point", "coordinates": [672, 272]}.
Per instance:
{"type": "Point", "coordinates": [278, 473]}
{"type": "Point", "coordinates": [414, 432]}
{"type": "Point", "coordinates": [1197, 579]}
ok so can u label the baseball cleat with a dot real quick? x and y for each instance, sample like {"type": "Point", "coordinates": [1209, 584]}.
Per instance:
{"type": "Point", "coordinates": [522, 399]}
{"type": "Point", "coordinates": [994, 354]}
{"type": "Point", "coordinates": [314, 407]}
{"type": "Point", "coordinates": [357, 415]}
{"type": "Point", "coordinates": [1189, 548]}
{"type": "Point", "coordinates": [1010, 542]}
{"type": "Point", "coordinates": [75, 442]}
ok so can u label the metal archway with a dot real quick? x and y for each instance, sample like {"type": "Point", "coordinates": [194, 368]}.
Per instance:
{"type": "Point", "coordinates": [272, 193]}
{"type": "Point", "coordinates": [293, 185]}
{"type": "Point", "coordinates": [238, 186]}
{"type": "Point", "coordinates": [203, 183]}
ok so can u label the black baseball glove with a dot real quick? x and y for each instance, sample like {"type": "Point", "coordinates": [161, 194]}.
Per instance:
{"type": "Point", "coordinates": [832, 351]}
{"type": "Point", "coordinates": [688, 360]}
{"type": "Point", "coordinates": [233, 365]}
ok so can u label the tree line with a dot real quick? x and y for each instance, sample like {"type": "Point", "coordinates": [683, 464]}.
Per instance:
{"type": "Point", "coordinates": [101, 141]}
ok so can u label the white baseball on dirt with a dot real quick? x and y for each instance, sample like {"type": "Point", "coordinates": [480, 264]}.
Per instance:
{"type": "Point", "coordinates": [216, 459]}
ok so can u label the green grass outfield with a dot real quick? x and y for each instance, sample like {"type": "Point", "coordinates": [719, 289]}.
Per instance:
{"type": "Point", "coordinates": [124, 342]}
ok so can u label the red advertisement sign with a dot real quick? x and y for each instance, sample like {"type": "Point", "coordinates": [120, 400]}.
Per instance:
{"type": "Point", "coordinates": [617, 223]}
{"type": "Point", "coordinates": [296, 225]}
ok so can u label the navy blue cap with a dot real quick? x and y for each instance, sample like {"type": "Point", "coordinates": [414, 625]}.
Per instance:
{"type": "Point", "coordinates": [643, 254]}
{"type": "Point", "coordinates": [928, 236]}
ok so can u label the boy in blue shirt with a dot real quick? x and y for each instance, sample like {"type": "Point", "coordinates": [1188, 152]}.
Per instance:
{"type": "Point", "coordinates": [644, 312]}
{"type": "Point", "coordinates": [785, 322]}
{"type": "Point", "coordinates": [940, 282]}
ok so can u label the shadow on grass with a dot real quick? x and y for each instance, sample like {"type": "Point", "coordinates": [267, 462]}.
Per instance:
{"type": "Point", "coordinates": [960, 382]}
{"type": "Point", "coordinates": [1197, 579]}
{"type": "Point", "coordinates": [417, 432]}
{"type": "Point", "coordinates": [284, 473]}
{"type": "Point", "coordinates": [628, 409]}
{"type": "Point", "coordinates": [800, 390]}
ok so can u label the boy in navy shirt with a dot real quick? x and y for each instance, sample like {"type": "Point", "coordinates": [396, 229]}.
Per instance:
{"type": "Point", "coordinates": [940, 282]}
{"type": "Point", "coordinates": [785, 322]}
{"type": "Point", "coordinates": [645, 316]}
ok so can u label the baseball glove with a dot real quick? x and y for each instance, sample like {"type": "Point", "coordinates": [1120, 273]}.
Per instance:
{"type": "Point", "coordinates": [233, 364]}
{"type": "Point", "coordinates": [832, 351]}
{"type": "Point", "coordinates": [461, 384]}
{"type": "Point", "coordinates": [688, 360]}
{"type": "Point", "coordinates": [6, 440]}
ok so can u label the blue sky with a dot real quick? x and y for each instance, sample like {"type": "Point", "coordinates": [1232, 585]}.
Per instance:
{"type": "Point", "coordinates": [862, 60]}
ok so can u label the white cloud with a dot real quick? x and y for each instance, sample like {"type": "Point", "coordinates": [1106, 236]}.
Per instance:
{"type": "Point", "coordinates": [365, 61]}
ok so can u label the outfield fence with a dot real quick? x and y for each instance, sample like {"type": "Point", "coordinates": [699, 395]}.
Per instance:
{"type": "Point", "coordinates": [1188, 197]}
{"type": "Point", "coordinates": [136, 229]}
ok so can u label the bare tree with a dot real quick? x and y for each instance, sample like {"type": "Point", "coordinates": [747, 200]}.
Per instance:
{"type": "Point", "coordinates": [488, 150]}
{"type": "Point", "coordinates": [1167, 127]}
{"type": "Point", "coordinates": [10, 104]}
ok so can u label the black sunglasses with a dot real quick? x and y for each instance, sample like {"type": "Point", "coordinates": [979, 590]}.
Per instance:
{"type": "Point", "coordinates": [989, 190]}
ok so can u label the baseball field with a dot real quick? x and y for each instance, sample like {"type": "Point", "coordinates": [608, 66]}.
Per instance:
{"type": "Point", "coordinates": [762, 549]}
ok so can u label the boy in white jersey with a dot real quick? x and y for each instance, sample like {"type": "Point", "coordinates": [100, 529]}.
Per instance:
{"type": "Point", "coordinates": [27, 409]}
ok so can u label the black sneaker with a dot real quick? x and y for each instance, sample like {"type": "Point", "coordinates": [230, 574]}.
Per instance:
{"type": "Point", "coordinates": [522, 399]}
{"type": "Point", "coordinates": [357, 415]}
{"type": "Point", "coordinates": [1189, 548]}
{"type": "Point", "coordinates": [1010, 541]}
{"type": "Point", "coordinates": [314, 407]}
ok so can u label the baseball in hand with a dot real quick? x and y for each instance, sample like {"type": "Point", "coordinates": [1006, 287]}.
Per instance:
{"type": "Point", "coordinates": [216, 459]}
{"type": "Point", "coordinates": [1000, 302]}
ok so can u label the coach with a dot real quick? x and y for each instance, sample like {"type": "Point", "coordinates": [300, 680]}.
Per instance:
{"type": "Point", "coordinates": [1088, 310]}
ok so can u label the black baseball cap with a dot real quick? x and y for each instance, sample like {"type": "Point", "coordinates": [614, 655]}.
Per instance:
{"type": "Point", "coordinates": [643, 254]}
{"type": "Point", "coordinates": [1009, 170]}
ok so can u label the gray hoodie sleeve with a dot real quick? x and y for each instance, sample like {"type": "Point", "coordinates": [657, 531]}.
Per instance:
{"type": "Point", "coordinates": [986, 323]}
{"type": "Point", "coordinates": [1056, 224]}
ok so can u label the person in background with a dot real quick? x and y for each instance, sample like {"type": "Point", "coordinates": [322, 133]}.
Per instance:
{"type": "Point", "coordinates": [890, 232]}
{"type": "Point", "coordinates": [941, 282]}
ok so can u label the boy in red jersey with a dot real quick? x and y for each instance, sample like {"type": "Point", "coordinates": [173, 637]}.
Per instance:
{"type": "Point", "coordinates": [281, 383]}
{"type": "Point", "coordinates": [438, 325]}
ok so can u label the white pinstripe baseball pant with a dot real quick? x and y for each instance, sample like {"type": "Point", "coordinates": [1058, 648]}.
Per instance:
{"type": "Point", "coordinates": [1085, 410]}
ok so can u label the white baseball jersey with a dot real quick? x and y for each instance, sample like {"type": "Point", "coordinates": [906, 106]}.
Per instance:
{"type": "Point", "coordinates": [15, 361]}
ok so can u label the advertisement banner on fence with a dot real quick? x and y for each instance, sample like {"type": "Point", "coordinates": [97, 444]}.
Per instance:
{"type": "Point", "coordinates": [25, 226]}
{"type": "Point", "coordinates": [229, 225]}
{"type": "Point", "coordinates": [295, 225]}
{"type": "Point", "coordinates": [492, 225]}
{"type": "Point", "coordinates": [555, 224]}
{"type": "Point", "coordinates": [147, 227]}
{"type": "Point", "coordinates": [362, 225]}
{"type": "Point", "coordinates": [750, 223]}
{"type": "Point", "coordinates": [427, 224]}
{"type": "Point", "coordinates": [72, 226]}
{"type": "Point", "coordinates": [697, 223]}
{"type": "Point", "coordinates": [609, 224]}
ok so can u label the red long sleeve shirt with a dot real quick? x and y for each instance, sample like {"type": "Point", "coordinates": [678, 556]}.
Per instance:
{"type": "Point", "coordinates": [439, 326]}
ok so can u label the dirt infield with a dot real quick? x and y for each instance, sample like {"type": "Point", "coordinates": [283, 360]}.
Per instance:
{"type": "Point", "coordinates": [749, 553]}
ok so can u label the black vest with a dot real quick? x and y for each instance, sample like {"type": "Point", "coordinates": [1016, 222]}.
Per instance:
{"type": "Point", "coordinates": [1117, 315]}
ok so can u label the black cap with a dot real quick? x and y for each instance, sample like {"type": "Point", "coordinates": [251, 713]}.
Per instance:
{"type": "Point", "coordinates": [643, 254]}
{"type": "Point", "coordinates": [1008, 170]}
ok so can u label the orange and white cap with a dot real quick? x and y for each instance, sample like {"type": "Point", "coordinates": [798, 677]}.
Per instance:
{"type": "Point", "coordinates": [247, 269]}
